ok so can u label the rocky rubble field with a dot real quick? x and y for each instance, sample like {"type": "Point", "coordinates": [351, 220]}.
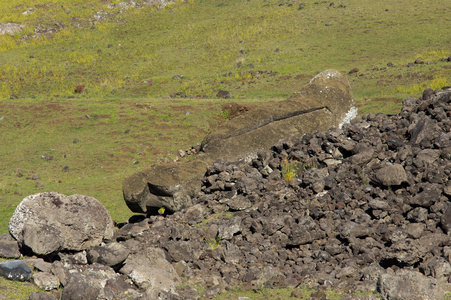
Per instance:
{"type": "Point", "coordinates": [369, 211]}
{"type": "Point", "coordinates": [372, 213]}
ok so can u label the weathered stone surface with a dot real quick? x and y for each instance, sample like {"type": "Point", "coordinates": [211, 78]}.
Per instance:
{"type": "Point", "coordinates": [195, 214]}
{"type": "Point", "coordinates": [81, 287]}
{"type": "Point", "coordinates": [8, 247]}
{"type": "Point", "coordinates": [168, 186]}
{"type": "Point", "coordinates": [41, 296]}
{"type": "Point", "coordinates": [180, 251]}
{"type": "Point", "coordinates": [43, 266]}
{"type": "Point", "coordinates": [46, 281]}
{"type": "Point", "coordinates": [49, 222]}
{"type": "Point", "coordinates": [445, 221]}
{"type": "Point", "coordinates": [151, 271]}
{"type": "Point", "coordinates": [88, 282]}
{"type": "Point", "coordinates": [391, 175]}
{"type": "Point", "coordinates": [111, 254]}
{"type": "Point", "coordinates": [406, 284]}
{"type": "Point", "coordinates": [323, 103]}
{"type": "Point", "coordinates": [10, 28]}
{"type": "Point", "coordinates": [15, 270]}
{"type": "Point", "coordinates": [60, 272]}
{"type": "Point", "coordinates": [427, 197]}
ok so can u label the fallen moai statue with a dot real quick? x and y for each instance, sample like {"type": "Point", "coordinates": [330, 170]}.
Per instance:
{"type": "Point", "coordinates": [325, 102]}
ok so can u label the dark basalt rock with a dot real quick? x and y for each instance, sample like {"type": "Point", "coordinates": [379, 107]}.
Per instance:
{"type": "Point", "coordinates": [15, 270]}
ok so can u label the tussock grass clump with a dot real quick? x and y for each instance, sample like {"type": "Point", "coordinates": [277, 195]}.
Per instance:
{"type": "Point", "coordinates": [436, 83]}
{"type": "Point", "coordinates": [292, 168]}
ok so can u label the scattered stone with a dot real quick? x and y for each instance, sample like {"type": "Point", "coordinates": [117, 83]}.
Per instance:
{"type": "Point", "coordinates": [15, 270]}
{"type": "Point", "coordinates": [28, 11]}
{"type": "Point", "coordinates": [151, 271]}
{"type": "Point", "coordinates": [369, 211]}
{"type": "Point", "coordinates": [181, 153]}
{"type": "Point", "coordinates": [391, 175]}
{"type": "Point", "coordinates": [406, 284]}
{"type": "Point", "coordinates": [46, 281]}
{"type": "Point", "coordinates": [80, 287]}
{"type": "Point", "coordinates": [223, 94]}
{"type": "Point", "coordinates": [112, 254]}
{"type": "Point", "coordinates": [39, 184]}
{"type": "Point", "coordinates": [79, 89]}
{"type": "Point", "coordinates": [9, 247]}
{"type": "Point", "coordinates": [354, 70]}
{"type": "Point", "coordinates": [10, 28]}
{"type": "Point", "coordinates": [41, 296]}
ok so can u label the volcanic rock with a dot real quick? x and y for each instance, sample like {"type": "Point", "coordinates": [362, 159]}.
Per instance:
{"type": "Point", "coordinates": [50, 222]}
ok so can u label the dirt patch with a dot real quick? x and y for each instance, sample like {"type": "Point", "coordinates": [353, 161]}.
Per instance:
{"type": "Point", "coordinates": [232, 110]}
{"type": "Point", "coordinates": [55, 107]}
{"type": "Point", "coordinates": [163, 126]}
{"type": "Point", "coordinates": [182, 108]}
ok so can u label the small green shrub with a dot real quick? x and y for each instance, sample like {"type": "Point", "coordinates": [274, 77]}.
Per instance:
{"type": "Point", "coordinates": [291, 168]}
{"type": "Point", "coordinates": [214, 243]}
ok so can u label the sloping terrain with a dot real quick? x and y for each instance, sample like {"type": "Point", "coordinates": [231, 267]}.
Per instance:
{"type": "Point", "coordinates": [138, 63]}
{"type": "Point", "coordinates": [252, 48]}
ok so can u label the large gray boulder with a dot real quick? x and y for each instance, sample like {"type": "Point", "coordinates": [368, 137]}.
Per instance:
{"type": "Point", "coordinates": [325, 102]}
{"type": "Point", "coordinates": [50, 222]}
{"type": "Point", "coordinates": [150, 271]}
{"type": "Point", "coordinates": [406, 284]}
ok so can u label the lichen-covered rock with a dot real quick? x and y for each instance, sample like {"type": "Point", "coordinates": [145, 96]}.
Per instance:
{"type": "Point", "coordinates": [406, 284]}
{"type": "Point", "coordinates": [46, 281]}
{"type": "Point", "coordinates": [111, 254]}
{"type": "Point", "coordinates": [49, 222]}
{"type": "Point", "coordinates": [8, 247]}
{"type": "Point", "coordinates": [151, 271]}
{"type": "Point", "coordinates": [15, 270]}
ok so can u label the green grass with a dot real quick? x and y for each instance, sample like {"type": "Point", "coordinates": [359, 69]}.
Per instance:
{"type": "Point", "coordinates": [128, 61]}
{"type": "Point", "coordinates": [202, 40]}
{"type": "Point", "coordinates": [16, 290]}
{"type": "Point", "coordinates": [111, 136]}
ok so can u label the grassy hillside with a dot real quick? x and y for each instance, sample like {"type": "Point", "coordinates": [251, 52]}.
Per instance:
{"type": "Point", "coordinates": [130, 59]}
{"type": "Point", "coordinates": [120, 51]}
